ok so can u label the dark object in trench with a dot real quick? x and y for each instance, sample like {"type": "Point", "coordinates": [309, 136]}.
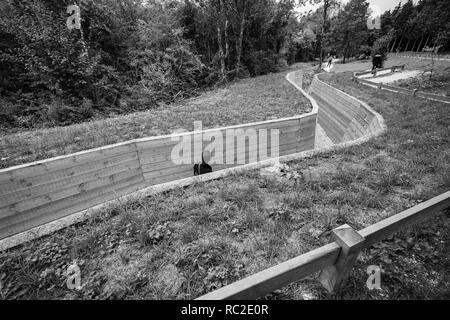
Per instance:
{"type": "Point", "coordinates": [202, 168]}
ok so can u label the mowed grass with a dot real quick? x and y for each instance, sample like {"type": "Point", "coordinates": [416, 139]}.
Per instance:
{"type": "Point", "coordinates": [187, 242]}
{"type": "Point", "coordinates": [249, 100]}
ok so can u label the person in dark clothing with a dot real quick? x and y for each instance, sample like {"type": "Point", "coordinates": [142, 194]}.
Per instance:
{"type": "Point", "coordinates": [377, 61]}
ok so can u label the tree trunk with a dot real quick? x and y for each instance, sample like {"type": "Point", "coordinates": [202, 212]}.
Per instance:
{"type": "Point", "coordinates": [389, 45]}
{"type": "Point", "coordinates": [426, 43]}
{"type": "Point", "coordinates": [400, 44]}
{"type": "Point", "coordinates": [407, 45]}
{"type": "Point", "coordinates": [239, 44]}
{"type": "Point", "coordinates": [227, 45]}
{"type": "Point", "coordinates": [283, 52]}
{"type": "Point", "coordinates": [393, 45]}
{"type": "Point", "coordinates": [326, 5]}
{"type": "Point", "coordinates": [421, 40]}
{"type": "Point", "coordinates": [414, 45]}
{"type": "Point", "coordinates": [346, 50]}
{"type": "Point", "coordinates": [221, 54]}
{"type": "Point", "coordinates": [219, 42]}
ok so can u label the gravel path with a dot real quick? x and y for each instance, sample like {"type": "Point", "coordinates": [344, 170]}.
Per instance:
{"type": "Point", "coordinates": [396, 76]}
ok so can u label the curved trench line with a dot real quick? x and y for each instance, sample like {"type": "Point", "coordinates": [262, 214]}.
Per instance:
{"type": "Point", "coordinates": [296, 79]}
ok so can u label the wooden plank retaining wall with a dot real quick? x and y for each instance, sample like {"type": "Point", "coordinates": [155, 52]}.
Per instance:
{"type": "Point", "coordinates": [37, 193]}
{"type": "Point", "coordinates": [343, 117]}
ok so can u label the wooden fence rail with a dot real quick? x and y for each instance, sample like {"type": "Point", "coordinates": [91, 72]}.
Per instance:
{"type": "Point", "coordinates": [336, 259]}
{"type": "Point", "coordinates": [375, 72]}
{"type": "Point", "coordinates": [415, 93]}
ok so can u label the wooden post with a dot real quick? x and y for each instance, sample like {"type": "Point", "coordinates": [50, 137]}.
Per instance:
{"type": "Point", "coordinates": [351, 242]}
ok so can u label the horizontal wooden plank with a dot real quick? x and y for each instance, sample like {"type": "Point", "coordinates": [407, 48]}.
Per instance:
{"type": "Point", "coordinates": [66, 182]}
{"type": "Point", "coordinates": [151, 180]}
{"type": "Point", "coordinates": [280, 124]}
{"type": "Point", "coordinates": [389, 226]}
{"type": "Point", "coordinates": [163, 162]}
{"type": "Point", "coordinates": [61, 163]}
{"type": "Point", "coordinates": [162, 154]}
{"type": "Point", "coordinates": [357, 74]}
{"type": "Point", "coordinates": [428, 95]}
{"type": "Point", "coordinates": [267, 124]}
{"type": "Point", "coordinates": [340, 113]}
{"type": "Point", "coordinates": [189, 172]}
{"type": "Point", "coordinates": [156, 144]}
{"type": "Point", "coordinates": [58, 209]}
{"type": "Point", "coordinates": [25, 182]}
{"type": "Point", "coordinates": [171, 173]}
{"type": "Point", "coordinates": [333, 131]}
{"type": "Point", "coordinates": [338, 117]}
{"type": "Point", "coordinates": [63, 193]}
{"type": "Point", "coordinates": [267, 281]}
{"type": "Point", "coordinates": [143, 146]}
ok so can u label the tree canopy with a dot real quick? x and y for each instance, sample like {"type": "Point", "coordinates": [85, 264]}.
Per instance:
{"type": "Point", "coordinates": [133, 55]}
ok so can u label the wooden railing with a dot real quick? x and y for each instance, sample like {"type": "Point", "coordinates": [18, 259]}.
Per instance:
{"type": "Point", "coordinates": [335, 260]}
{"type": "Point", "coordinates": [414, 93]}
{"type": "Point", "coordinates": [375, 72]}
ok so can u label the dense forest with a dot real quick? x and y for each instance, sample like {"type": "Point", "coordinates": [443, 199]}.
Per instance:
{"type": "Point", "coordinates": [132, 55]}
{"type": "Point", "coordinates": [412, 27]}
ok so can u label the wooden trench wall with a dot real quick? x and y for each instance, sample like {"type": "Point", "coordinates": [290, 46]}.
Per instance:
{"type": "Point", "coordinates": [343, 117]}
{"type": "Point", "coordinates": [34, 194]}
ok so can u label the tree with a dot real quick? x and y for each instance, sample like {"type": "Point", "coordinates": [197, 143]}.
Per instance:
{"type": "Point", "coordinates": [132, 54]}
{"type": "Point", "coordinates": [327, 6]}
{"type": "Point", "coordinates": [349, 30]}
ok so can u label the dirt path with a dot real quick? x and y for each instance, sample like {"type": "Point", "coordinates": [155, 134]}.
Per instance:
{"type": "Point", "coordinates": [395, 76]}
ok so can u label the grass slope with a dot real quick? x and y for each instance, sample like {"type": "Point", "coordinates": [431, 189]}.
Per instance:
{"type": "Point", "coordinates": [245, 101]}
{"type": "Point", "coordinates": [187, 242]}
